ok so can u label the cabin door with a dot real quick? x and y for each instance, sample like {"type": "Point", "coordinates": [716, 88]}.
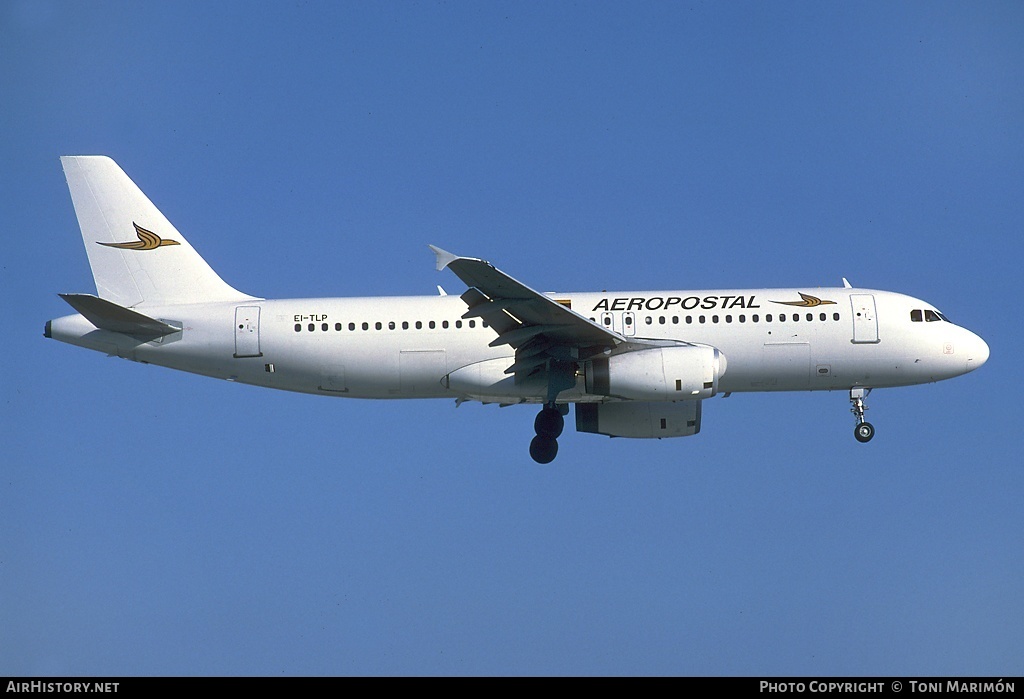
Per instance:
{"type": "Point", "coordinates": [247, 331]}
{"type": "Point", "coordinates": [865, 321]}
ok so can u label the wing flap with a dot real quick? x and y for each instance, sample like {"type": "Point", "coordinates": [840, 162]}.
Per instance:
{"type": "Point", "coordinates": [492, 315]}
{"type": "Point", "coordinates": [522, 334]}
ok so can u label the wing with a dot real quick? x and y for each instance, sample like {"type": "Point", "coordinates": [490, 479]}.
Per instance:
{"type": "Point", "coordinates": [537, 327]}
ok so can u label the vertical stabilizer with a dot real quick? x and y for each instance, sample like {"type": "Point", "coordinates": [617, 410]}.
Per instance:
{"type": "Point", "coordinates": [137, 257]}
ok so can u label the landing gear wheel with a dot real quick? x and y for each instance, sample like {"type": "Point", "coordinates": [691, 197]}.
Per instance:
{"type": "Point", "coordinates": [549, 423]}
{"type": "Point", "coordinates": [864, 432]}
{"type": "Point", "coordinates": [544, 449]}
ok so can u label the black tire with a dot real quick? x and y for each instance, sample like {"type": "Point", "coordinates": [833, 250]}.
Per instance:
{"type": "Point", "coordinates": [543, 449]}
{"type": "Point", "coordinates": [864, 432]}
{"type": "Point", "coordinates": [549, 423]}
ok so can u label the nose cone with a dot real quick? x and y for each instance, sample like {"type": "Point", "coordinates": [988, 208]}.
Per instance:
{"type": "Point", "coordinates": [977, 352]}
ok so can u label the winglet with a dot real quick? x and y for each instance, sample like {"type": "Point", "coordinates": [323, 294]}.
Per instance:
{"type": "Point", "coordinates": [444, 258]}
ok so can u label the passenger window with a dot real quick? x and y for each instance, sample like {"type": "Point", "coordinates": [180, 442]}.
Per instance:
{"type": "Point", "coordinates": [689, 320]}
{"type": "Point", "coordinates": [391, 325]}
{"type": "Point", "coordinates": [337, 326]}
{"type": "Point", "coordinates": [366, 326]}
{"type": "Point", "coordinates": [312, 327]}
{"type": "Point", "coordinates": [728, 319]}
{"type": "Point", "coordinates": [796, 317]}
{"type": "Point", "coordinates": [835, 316]}
{"type": "Point", "coordinates": [444, 324]}
{"type": "Point", "coordinates": [298, 327]}
{"type": "Point", "coordinates": [822, 317]}
{"type": "Point", "coordinates": [351, 326]}
{"type": "Point", "coordinates": [405, 325]}
{"type": "Point", "coordinates": [767, 317]}
{"type": "Point", "coordinates": [472, 323]}
{"type": "Point", "coordinates": [701, 319]}
{"type": "Point", "coordinates": [755, 318]}
{"type": "Point", "coordinates": [661, 320]}
{"type": "Point", "coordinates": [458, 324]}
{"type": "Point", "coordinates": [432, 325]}
{"type": "Point", "coordinates": [810, 316]}
{"type": "Point", "coordinates": [419, 324]}
{"type": "Point", "coordinates": [648, 320]}
{"type": "Point", "coordinates": [782, 317]}
{"type": "Point", "coordinates": [324, 327]}
{"type": "Point", "coordinates": [675, 320]}
{"type": "Point", "coordinates": [378, 325]}
{"type": "Point", "coordinates": [714, 319]}
{"type": "Point", "coordinates": [743, 318]}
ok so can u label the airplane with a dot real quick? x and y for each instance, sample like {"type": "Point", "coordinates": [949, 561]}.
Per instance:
{"type": "Point", "coordinates": [634, 364]}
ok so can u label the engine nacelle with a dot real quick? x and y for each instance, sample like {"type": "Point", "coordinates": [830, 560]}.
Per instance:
{"type": "Point", "coordinates": [658, 374]}
{"type": "Point", "coordinates": [639, 420]}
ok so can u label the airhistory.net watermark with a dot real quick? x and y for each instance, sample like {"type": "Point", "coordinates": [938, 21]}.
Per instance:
{"type": "Point", "coordinates": [61, 687]}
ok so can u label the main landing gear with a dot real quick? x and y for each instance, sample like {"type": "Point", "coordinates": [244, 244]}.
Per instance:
{"type": "Point", "coordinates": [863, 431]}
{"type": "Point", "coordinates": [548, 426]}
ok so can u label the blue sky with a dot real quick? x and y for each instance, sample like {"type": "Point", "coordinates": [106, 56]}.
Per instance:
{"type": "Point", "coordinates": [162, 523]}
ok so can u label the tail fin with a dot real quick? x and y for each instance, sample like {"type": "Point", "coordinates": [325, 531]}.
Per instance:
{"type": "Point", "coordinates": [137, 257]}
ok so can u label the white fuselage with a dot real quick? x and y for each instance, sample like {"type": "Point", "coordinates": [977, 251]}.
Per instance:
{"type": "Point", "coordinates": [637, 364]}
{"type": "Point", "coordinates": [421, 347]}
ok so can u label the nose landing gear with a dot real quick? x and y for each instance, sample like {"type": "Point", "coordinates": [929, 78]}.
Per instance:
{"type": "Point", "coordinates": [548, 426]}
{"type": "Point", "coordinates": [863, 431]}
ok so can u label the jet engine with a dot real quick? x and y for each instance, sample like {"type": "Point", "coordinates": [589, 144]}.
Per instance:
{"type": "Point", "coordinates": [639, 420]}
{"type": "Point", "coordinates": [689, 372]}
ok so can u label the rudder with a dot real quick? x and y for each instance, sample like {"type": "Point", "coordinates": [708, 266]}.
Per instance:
{"type": "Point", "coordinates": [137, 257]}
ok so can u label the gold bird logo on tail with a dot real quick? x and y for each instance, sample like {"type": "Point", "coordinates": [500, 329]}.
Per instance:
{"type": "Point", "coordinates": [148, 240]}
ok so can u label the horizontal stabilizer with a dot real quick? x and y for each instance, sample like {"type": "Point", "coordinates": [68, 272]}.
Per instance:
{"type": "Point", "coordinates": [107, 315]}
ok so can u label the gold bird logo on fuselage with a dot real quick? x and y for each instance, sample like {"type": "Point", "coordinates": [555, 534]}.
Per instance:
{"type": "Point", "coordinates": [148, 240]}
{"type": "Point", "coordinates": [808, 301]}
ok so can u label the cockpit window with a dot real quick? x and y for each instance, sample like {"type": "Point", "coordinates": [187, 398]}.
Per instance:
{"type": "Point", "coordinates": [917, 315]}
